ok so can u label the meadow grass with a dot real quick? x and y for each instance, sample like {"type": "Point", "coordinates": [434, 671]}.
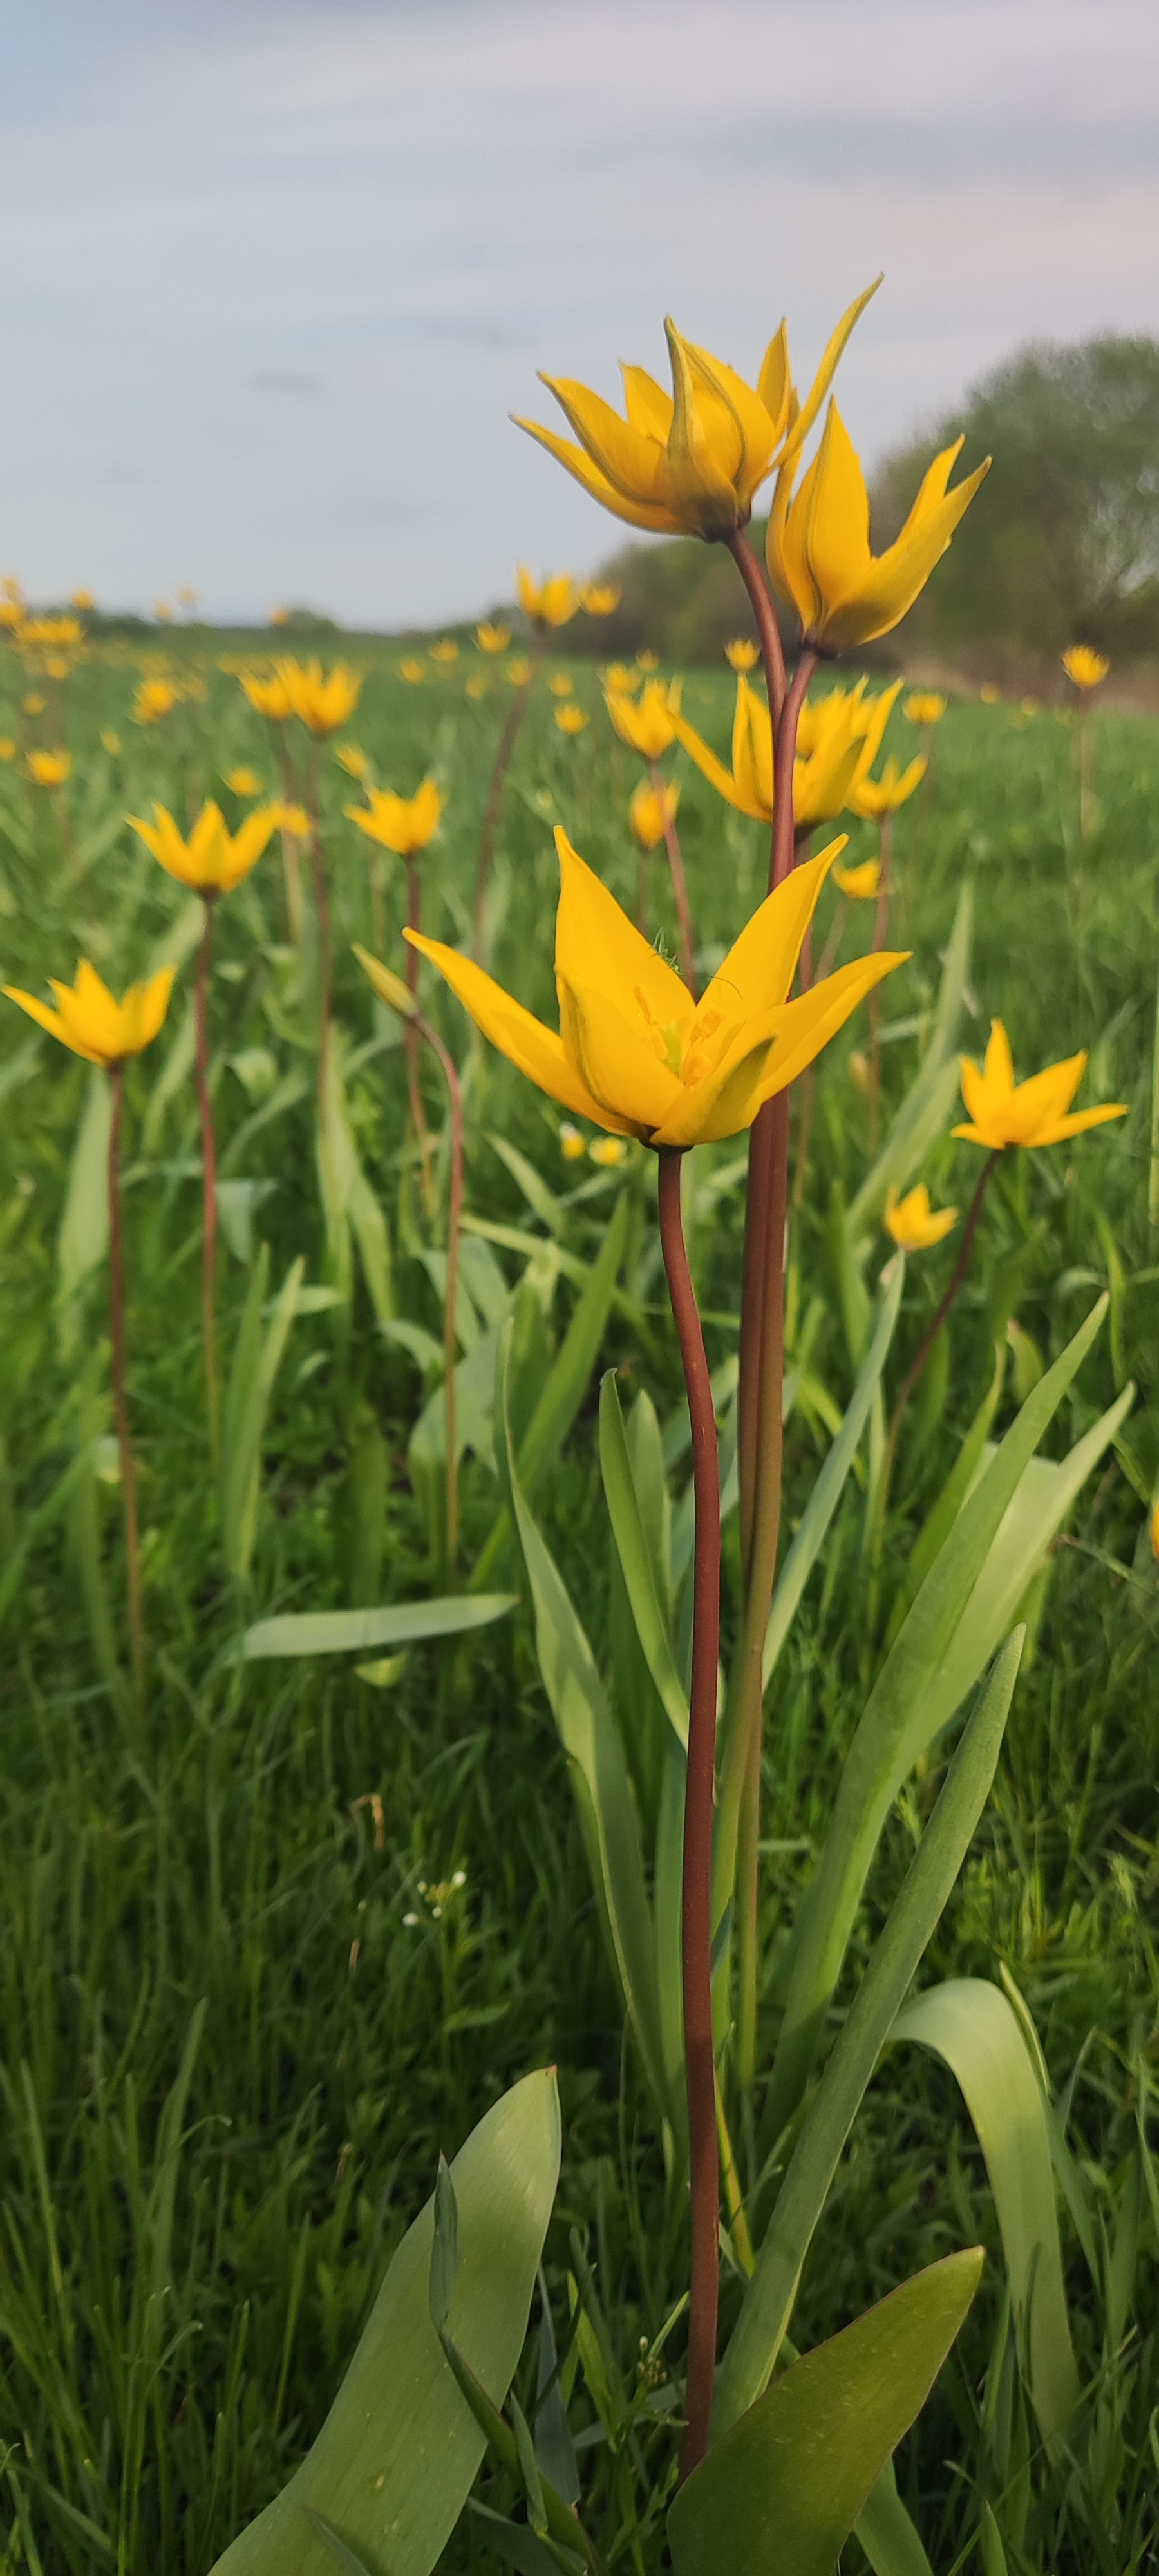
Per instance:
{"type": "Point", "coordinates": [271, 1945]}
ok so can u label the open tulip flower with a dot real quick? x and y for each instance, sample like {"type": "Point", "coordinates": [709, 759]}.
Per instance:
{"type": "Point", "coordinates": [818, 541]}
{"type": "Point", "coordinates": [924, 707]}
{"type": "Point", "coordinates": [242, 782]}
{"type": "Point", "coordinates": [837, 742]}
{"type": "Point", "coordinates": [552, 602]}
{"type": "Point", "coordinates": [635, 1055]}
{"type": "Point", "coordinates": [1084, 667]}
{"type": "Point", "coordinates": [1003, 1112]}
{"type": "Point", "coordinates": [859, 884]}
{"type": "Point", "coordinates": [154, 699]}
{"type": "Point", "coordinates": [913, 1224]}
{"type": "Point", "coordinates": [873, 797]}
{"type": "Point", "coordinates": [570, 718]}
{"type": "Point", "coordinates": [648, 725]}
{"type": "Point", "coordinates": [688, 463]}
{"type": "Point", "coordinates": [213, 860]}
{"type": "Point", "coordinates": [403, 824]}
{"type": "Point", "coordinates": [492, 639]}
{"type": "Point", "coordinates": [651, 811]}
{"type": "Point", "coordinates": [49, 768]}
{"type": "Point", "coordinates": [92, 1024]}
{"type": "Point", "coordinates": [321, 704]}
{"type": "Point", "coordinates": [742, 654]}
{"type": "Point", "coordinates": [600, 599]}
{"type": "Point", "coordinates": [269, 698]}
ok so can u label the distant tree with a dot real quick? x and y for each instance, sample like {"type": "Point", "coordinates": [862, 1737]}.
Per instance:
{"type": "Point", "coordinates": [1062, 543]}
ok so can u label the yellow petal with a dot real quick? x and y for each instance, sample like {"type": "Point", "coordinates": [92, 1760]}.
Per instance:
{"type": "Point", "coordinates": [648, 407]}
{"type": "Point", "coordinates": [633, 465]}
{"type": "Point", "coordinates": [613, 1056]}
{"type": "Point", "coordinates": [537, 1051]}
{"type": "Point", "coordinates": [759, 968]}
{"type": "Point", "coordinates": [48, 1019]}
{"type": "Point", "coordinates": [597, 946]}
{"type": "Point", "coordinates": [815, 1017]}
{"type": "Point", "coordinates": [639, 514]}
{"type": "Point", "coordinates": [837, 527]}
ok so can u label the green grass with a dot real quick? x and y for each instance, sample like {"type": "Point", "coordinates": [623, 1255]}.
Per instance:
{"type": "Point", "coordinates": [229, 2059]}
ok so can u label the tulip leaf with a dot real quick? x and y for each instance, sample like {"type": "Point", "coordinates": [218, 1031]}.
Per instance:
{"type": "Point", "coordinates": [636, 1562]}
{"type": "Point", "coordinates": [84, 1226]}
{"type": "Point", "coordinates": [886, 2533]}
{"type": "Point", "coordinates": [971, 2025]}
{"type": "Point", "coordinates": [347, 1198]}
{"type": "Point", "coordinates": [348, 1632]}
{"type": "Point", "coordinates": [394, 2463]}
{"type": "Point", "coordinates": [764, 2317]}
{"type": "Point", "coordinates": [922, 1117]}
{"type": "Point", "coordinates": [911, 1701]}
{"type": "Point", "coordinates": [256, 1361]}
{"type": "Point", "coordinates": [788, 2481]}
{"type": "Point", "coordinates": [941, 1519]}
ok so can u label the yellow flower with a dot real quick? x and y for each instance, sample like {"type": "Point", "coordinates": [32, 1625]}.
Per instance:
{"type": "Point", "coordinates": [89, 1021]}
{"type": "Point", "coordinates": [609, 1151]}
{"type": "Point", "coordinates": [647, 660]}
{"type": "Point", "coordinates": [871, 797]}
{"type": "Point", "coordinates": [294, 819]}
{"type": "Point", "coordinates": [352, 760]}
{"type": "Point", "coordinates": [319, 703]}
{"type": "Point", "coordinates": [49, 768]}
{"type": "Point", "coordinates": [269, 698]}
{"type": "Point", "coordinates": [621, 677]}
{"type": "Point", "coordinates": [650, 726]}
{"type": "Point", "coordinates": [445, 653]}
{"type": "Point", "coordinates": [924, 707]}
{"type": "Point", "coordinates": [518, 671]}
{"type": "Point", "coordinates": [54, 634]}
{"type": "Point", "coordinates": [84, 601]}
{"type": "Point", "coordinates": [687, 463]}
{"type": "Point", "coordinates": [560, 684]}
{"type": "Point", "coordinates": [742, 653]}
{"type": "Point", "coordinates": [7, 747]}
{"type": "Point", "coordinates": [110, 742]}
{"type": "Point", "coordinates": [242, 782]}
{"type": "Point", "coordinates": [153, 700]}
{"type": "Point", "coordinates": [12, 616]}
{"type": "Point", "coordinates": [571, 1143]}
{"type": "Point", "coordinates": [412, 670]}
{"type": "Point", "coordinates": [837, 743]}
{"type": "Point", "coordinates": [1003, 1112]}
{"type": "Point", "coordinates": [400, 823]}
{"type": "Point", "coordinates": [213, 860]}
{"type": "Point", "coordinates": [989, 693]}
{"type": "Point", "coordinates": [186, 597]}
{"type": "Point", "coordinates": [477, 685]}
{"type": "Point", "coordinates": [33, 706]}
{"type": "Point", "coordinates": [162, 611]}
{"type": "Point", "coordinates": [650, 814]}
{"type": "Point", "coordinates": [860, 884]}
{"type": "Point", "coordinates": [279, 617]}
{"type": "Point", "coordinates": [600, 599]}
{"type": "Point", "coordinates": [818, 542]}
{"type": "Point", "coordinates": [491, 638]}
{"type": "Point", "coordinates": [12, 588]}
{"type": "Point", "coordinates": [913, 1223]}
{"type": "Point", "coordinates": [635, 1055]}
{"type": "Point", "coordinates": [570, 719]}
{"type": "Point", "coordinates": [1085, 668]}
{"type": "Point", "coordinates": [552, 602]}
{"type": "Point", "coordinates": [57, 666]}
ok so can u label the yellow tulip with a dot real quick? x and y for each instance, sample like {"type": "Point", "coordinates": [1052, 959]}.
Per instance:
{"type": "Point", "coordinates": [154, 699]}
{"type": "Point", "coordinates": [84, 601]}
{"type": "Point", "coordinates": [352, 760]}
{"type": "Point", "coordinates": [321, 704]}
{"type": "Point", "coordinates": [609, 1152]}
{"type": "Point", "coordinates": [54, 634]}
{"type": "Point", "coordinates": [11, 618]}
{"type": "Point", "coordinates": [552, 602]}
{"type": "Point", "coordinates": [492, 639]}
{"type": "Point", "coordinates": [49, 768]}
{"type": "Point", "coordinates": [742, 653]}
{"type": "Point", "coordinates": [621, 677]}
{"type": "Point", "coordinates": [57, 666]}
{"type": "Point", "coordinates": [242, 782]}
{"type": "Point", "coordinates": [818, 541]}
{"type": "Point", "coordinates": [213, 860]}
{"type": "Point", "coordinates": [571, 1143]}
{"type": "Point", "coordinates": [635, 1055]}
{"type": "Point", "coordinates": [7, 747]}
{"type": "Point", "coordinates": [837, 742]}
{"type": "Point", "coordinates": [1003, 1112]}
{"type": "Point", "coordinates": [913, 1223]}
{"type": "Point", "coordinates": [88, 1020]}
{"type": "Point", "coordinates": [989, 693]}
{"type": "Point", "coordinates": [924, 707]}
{"type": "Point", "coordinates": [600, 599]}
{"type": "Point", "coordinates": [647, 660]}
{"type": "Point", "coordinates": [33, 705]}
{"type": "Point", "coordinates": [279, 617]}
{"type": "Point", "coordinates": [518, 671]}
{"type": "Point", "coordinates": [445, 653]}
{"type": "Point", "coordinates": [477, 685]}
{"type": "Point", "coordinates": [687, 463]}
{"type": "Point", "coordinates": [560, 684]}
{"type": "Point", "coordinates": [650, 814]}
{"type": "Point", "coordinates": [412, 670]}
{"type": "Point", "coordinates": [269, 698]}
{"type": "Point", "coordinates": [651, 725]}
{"type": "Point", "coordinates": [293, 819]}
{"type": "Point", "coordinates": [859, 884]}
{"type": "Point", "coordinates": [872, 797]}
{"type": "Point", "coordinates": [1084, 667]}
{"type": "Point", "coordinates": [400, 823]}
{"type": "Point", "coordinates": [570, 719]}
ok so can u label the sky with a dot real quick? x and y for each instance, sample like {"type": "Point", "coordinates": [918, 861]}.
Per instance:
{"type": "Point", "coordinates": [277, 271]}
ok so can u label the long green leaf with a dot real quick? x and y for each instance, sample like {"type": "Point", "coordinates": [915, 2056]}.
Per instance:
{"type": "Point", "coordinates": [940, 1521]}
{"type": "Point", "coordinates": [257, 1360]}
{"type": "Point", "coordinates": [84, 1226]}
{"type": "Point", "coordinates": [635, 1557]}
{"type": "Point", "coordinates": [921, 1119]}
{"type": "Point", "coordinates": [768, 2304]}
{"type": "Point", "coordinates": [886, 2533]}
{"type": "Point", "coordinates": [787, 2483]}
{"type": "Point", "coordinates": [970, 2024]}
{"type": "Point", "coordinates": [396, 2458]}
{"type": "Point", "coordinates": [597, 1762]}
{"type": "Point", "coordinates": [897, 1725]}
{"type": "Point", "coordinates": [345, 1632]}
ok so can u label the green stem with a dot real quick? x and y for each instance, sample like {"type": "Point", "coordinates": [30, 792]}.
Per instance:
{"type": "Point", "coordinates": [208, 1171]}
{"type": "Point", "coordinates": [518, 710]}
{"type": "Point", "coordinates": [120, 1396]}
{"type": "Point", "coordinates": [696, 1935]}
{"type": "Point", "coordinates": [1153, 1173]}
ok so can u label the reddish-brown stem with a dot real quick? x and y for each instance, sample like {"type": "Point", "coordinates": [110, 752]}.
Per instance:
{"type": "Point", "coordinates": [411, 1040]}
{"type": "Point", "coordinates": [679, 880]}
{"type": "Point", "coordinates": [291, 868]}
{"type": "Point", "coordinates": [515, 716]}
{"type": "Point", "coordinates": [772, 652]}
{"type": "Point", "coordinates": [933, 1328]}
{"type": "Point", "coordinates": [877, 943]}
{"type": "Point", "coordinates": [784, 821]}
{"type": "Point", "coordinates": [696, 1942]}
{"type": "Point", "coordinates": [120, 1396]}
{"type": "Point", "coordinates": [208, 1168]}
{"type": "Point", "coordinates": [422, 1028]}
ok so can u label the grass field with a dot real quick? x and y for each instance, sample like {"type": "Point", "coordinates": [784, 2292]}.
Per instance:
{"type": "Point", "coordinates": [270, 1946]}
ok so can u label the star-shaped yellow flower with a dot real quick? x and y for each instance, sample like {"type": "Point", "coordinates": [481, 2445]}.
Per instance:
{"type": "Point", "coordinates": [269, 698]}
{"type": "Point", "coordinates": [635, 1055]}
{"type": "Point", "coordinates": [1084, 667]}
{"type": "Point", "coordinates": [647, 724]}
{"type": "Point", "coordinates": [551, 602]}
{"type": "Point", "coordinates": [1003, 1112]}
{"type": "Point", "coordinates": [403, 824]}
{"type": "Point", "coordinates": [91, 1023]}
{"type": "Point", "coordinates": [872, 797]}
{"type": "Point", "coordinates": [913, 1223]}
{"type": "Point", "coordinates": [213, 860]}
{"type": "Point", "coordinates": [818, 541]}
{"type": "Point", "coordinates": [322, 703]}
{"type": "Point", "coordinates": [837, 742]}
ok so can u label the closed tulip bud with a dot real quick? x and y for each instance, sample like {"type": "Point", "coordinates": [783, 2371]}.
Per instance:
{"type": "Point", "coordinates": [600, 599]}
{"type": "Point", "coordinates": [924, 707]}
{"type": "Point", "coordinates": [570, 718]}
{"type": "Point", "coordinates": [650, 813]}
